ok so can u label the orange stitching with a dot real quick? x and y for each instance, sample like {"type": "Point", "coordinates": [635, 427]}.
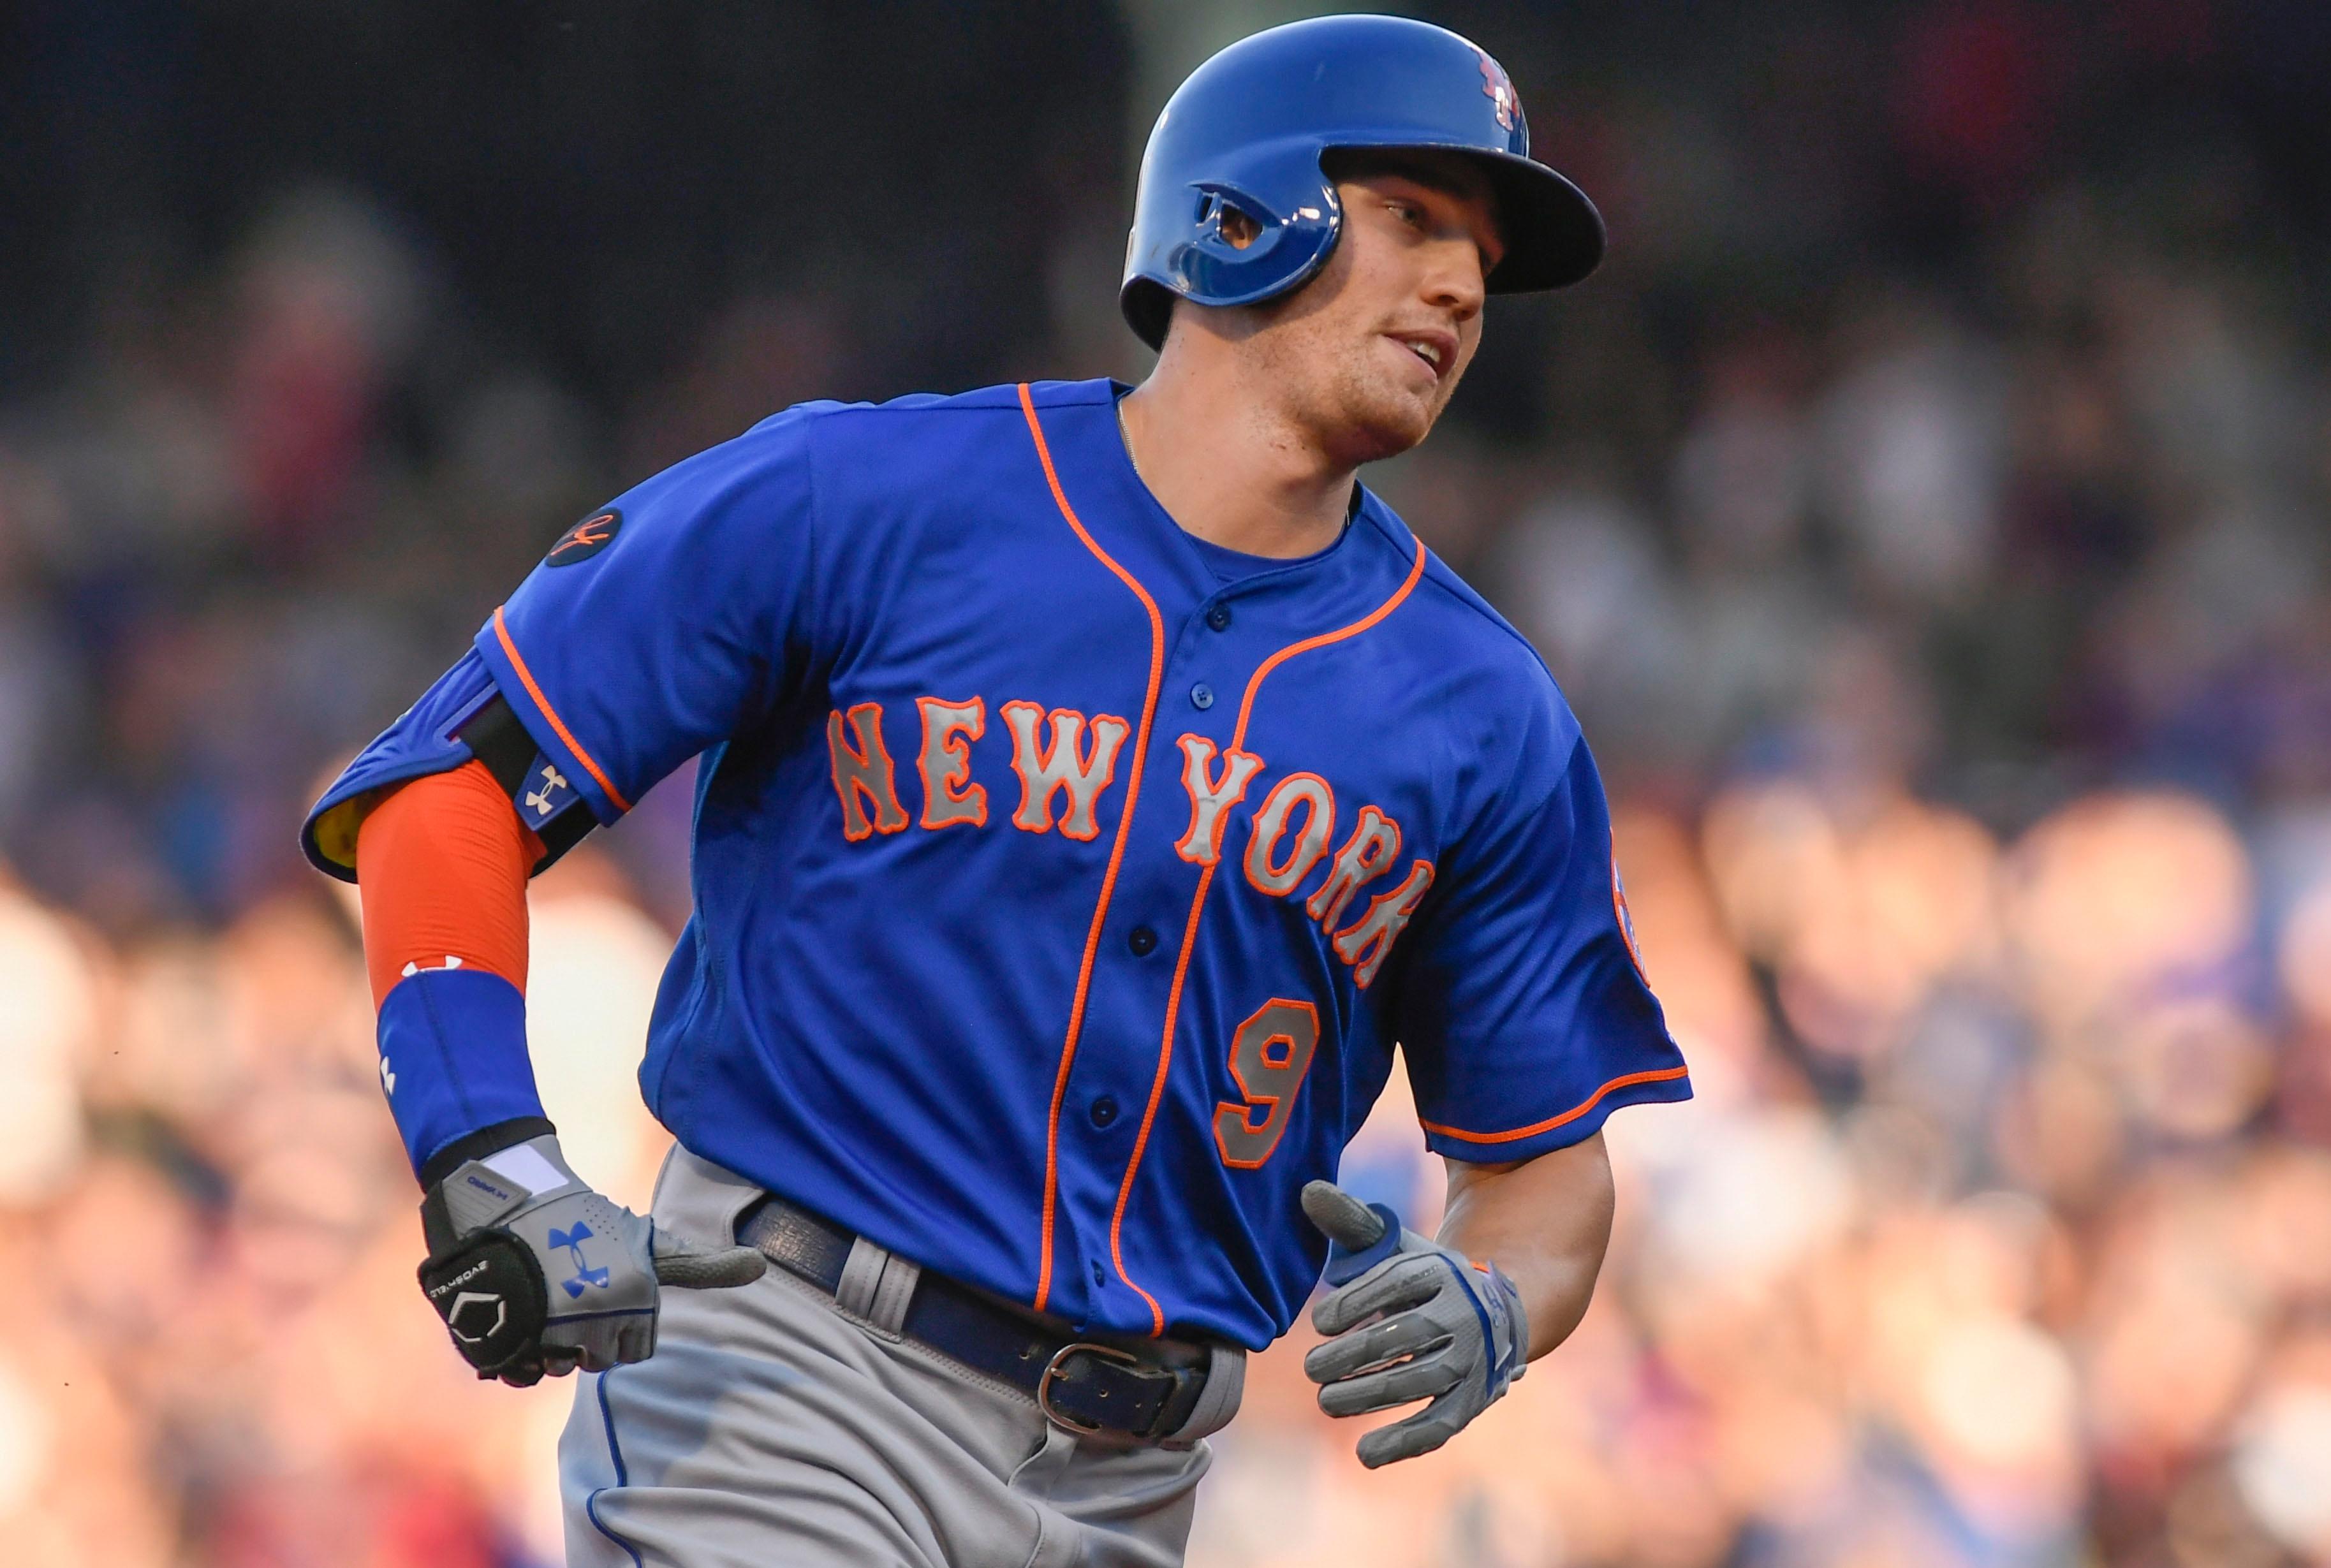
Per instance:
{"type": "Point", "coordinates": [953, 784]}
{"type": "Point", "coordinates": [1239, 768]}
{"type": "Point", "coordinates": [1373, 935]}
{"type": "Point", "coordinates": [526, 677]}
{"type": "Point", "coordinates": [1085, 811]}
{"type": "Point", "coordinates": [1655, 1075]}
{"type": "Point", "coordinates": [1354, 866]}
{"type": "Point", "coordinates": [1246, 704]}
{"type": "Point", "coordinates": [890, 816]}
{"type": "Point", "coordinates": [1027, 784]}
{"type": "Point", "coordinates": [1244, 1113]}
{"type": "Point", "coordinates": [1116, 853]}
{"type": "Point", "coordinates": [1197, 909]}
{"type": "Point", "coordinates": [1035, 814]}
{"type": "Point", "coordinates": [1310, 848]}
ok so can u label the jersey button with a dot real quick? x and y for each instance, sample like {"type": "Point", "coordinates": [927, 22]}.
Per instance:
{"type": "Point", "coordinates": [1202, 695]}
{"type": "Point", "coordinates": [1103, 1111]}
{"type": "Point", "coordinates": [1142, 940]}
{"type": "Point", "coordinates": [1219, 617]}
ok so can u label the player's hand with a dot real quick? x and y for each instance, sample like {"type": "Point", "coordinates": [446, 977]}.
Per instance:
{"type": "Point", "coordinates": [1408, 1320]}
{"type": "Point", "coordinates": [535, 1274]}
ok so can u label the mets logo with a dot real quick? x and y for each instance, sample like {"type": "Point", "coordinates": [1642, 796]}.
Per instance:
{"type": "Point", "coordinates": [585, 538]}
{"type": "Point", "coordinates": [1626, 920]}
{"type": "Point", "coordinates": [1498, 89]}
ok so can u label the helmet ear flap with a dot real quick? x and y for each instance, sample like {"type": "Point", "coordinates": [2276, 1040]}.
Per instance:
{"type": "Point", "coordinates": [1231, 223]}
{"type": "Point", "coordinates": [1239, 247]}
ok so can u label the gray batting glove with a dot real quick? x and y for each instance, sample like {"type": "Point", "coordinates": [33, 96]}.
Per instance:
{"type": "Point", "coordinates": [1409, 1319]}
{"type": "Point", "coordinates": [535, 1274]}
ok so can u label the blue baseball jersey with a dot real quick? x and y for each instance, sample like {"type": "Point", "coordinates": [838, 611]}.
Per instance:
{"type": "Point", "coordinates": [1062, 883]}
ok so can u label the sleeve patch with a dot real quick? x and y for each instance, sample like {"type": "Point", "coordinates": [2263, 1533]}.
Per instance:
{"type": "Point", "coordinates": [585, 538]}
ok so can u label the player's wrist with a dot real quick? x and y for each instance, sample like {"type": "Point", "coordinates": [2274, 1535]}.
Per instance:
{"type": "Point", "coordinates": [490, 1139]}
{"type": "Point", "coordinates": [512, 1165]}
{"type": "Point", "coordinates": [1509, 1316]}
{"type": "Point", "coordinates": [534, 1273]}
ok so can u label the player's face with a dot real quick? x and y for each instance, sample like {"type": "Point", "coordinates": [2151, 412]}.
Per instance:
{"type": "Point", "coordinates": [1371, 350]}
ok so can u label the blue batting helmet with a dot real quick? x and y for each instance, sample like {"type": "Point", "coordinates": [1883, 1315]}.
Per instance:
{"type": "Point", "coordinates": [1247, 130]}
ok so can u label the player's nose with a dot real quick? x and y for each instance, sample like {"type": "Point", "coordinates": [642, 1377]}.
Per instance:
{"type": "Point", "coordinates": [1453, 280]}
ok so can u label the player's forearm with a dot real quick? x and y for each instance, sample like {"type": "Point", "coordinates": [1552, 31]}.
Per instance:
{"type": "Point", "coordinates": [1546, 1222]}
{"type": "Point", "coordinates": [442, 865]}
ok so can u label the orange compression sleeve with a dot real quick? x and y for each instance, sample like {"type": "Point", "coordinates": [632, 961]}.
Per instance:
{"type": "Point", "coordinates": [442, 865]}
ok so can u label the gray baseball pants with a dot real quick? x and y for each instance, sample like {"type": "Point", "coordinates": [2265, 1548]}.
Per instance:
{"type": "Point", "coordinates": [773, 1429]}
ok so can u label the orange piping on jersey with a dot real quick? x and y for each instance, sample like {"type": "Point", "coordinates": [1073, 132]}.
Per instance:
{"type": "Point", "coordinates": [1117, 850]}
{"type": "Point", "coordinates": [1197, 909]}
{"type": "Point", "coordinates": [1656, 1074]}
{"type": "Point", "coordinates": [559, 727]}
{"type": "Point", "coordinates": [1246, 703]}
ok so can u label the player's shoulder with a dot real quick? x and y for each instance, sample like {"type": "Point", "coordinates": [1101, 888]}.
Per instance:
{"type": "Point", "coordinates": [1472, 644]}
{"type": "Point", "coordinates": [901, 441]}
{"type": "Point", "coordinates": [917, 414]}
{"type": "Point", "coordinates": [857, 451]}
{"type": "Point", "coordinates": [1498, 705]}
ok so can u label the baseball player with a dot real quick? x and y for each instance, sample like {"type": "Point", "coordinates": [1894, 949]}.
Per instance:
{"type": "Point", "coordinates": [1095, 785]}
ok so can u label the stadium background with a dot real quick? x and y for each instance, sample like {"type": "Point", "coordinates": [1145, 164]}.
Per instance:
{"type": "Point", "coordinates": [1925, 509]}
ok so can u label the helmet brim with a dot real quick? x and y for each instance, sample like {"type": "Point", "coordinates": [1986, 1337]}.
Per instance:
{"type": "Point", "coordinates": [1554, 236]}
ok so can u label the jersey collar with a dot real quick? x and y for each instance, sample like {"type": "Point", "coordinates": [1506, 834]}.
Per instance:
{"type": "Point", "coordinates": [1141, 503]}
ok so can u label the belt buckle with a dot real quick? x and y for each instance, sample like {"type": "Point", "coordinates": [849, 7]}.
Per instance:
{"type": "Point", "coordinates": [1052, 1369]}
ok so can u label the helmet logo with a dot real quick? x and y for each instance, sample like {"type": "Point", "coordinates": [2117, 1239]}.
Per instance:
{"type": "Point", "coordinates": [1498, 89]}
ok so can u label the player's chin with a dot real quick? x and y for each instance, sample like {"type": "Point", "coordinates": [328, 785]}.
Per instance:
{"type": "Point", "coordinates": [1392, 418]}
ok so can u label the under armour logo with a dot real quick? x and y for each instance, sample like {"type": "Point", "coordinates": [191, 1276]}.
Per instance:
{"type": "Point", "coordinates": [572, 1242]}
{"type": "Point", "coordinates": [552, 779]}
{"type": "Point", "coordinates": [388, 1078]}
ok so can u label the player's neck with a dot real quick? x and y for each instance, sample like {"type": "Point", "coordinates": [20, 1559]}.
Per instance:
{"type": "Point", "coordinates": [1228, 471]}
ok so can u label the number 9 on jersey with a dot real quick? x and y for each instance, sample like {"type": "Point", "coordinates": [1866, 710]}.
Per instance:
{"type": "Point", "coordinates": [1270, 1054]}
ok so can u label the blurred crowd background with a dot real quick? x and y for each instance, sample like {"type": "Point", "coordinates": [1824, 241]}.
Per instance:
{"type": "Point", "coordinates": [1925, 509]}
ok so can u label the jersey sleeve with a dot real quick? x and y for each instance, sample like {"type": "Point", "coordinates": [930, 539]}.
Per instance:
{"type": "Point", "coordinates": [1523, 1015]}
{"type": "Point", "coordinates": [425, 738]}
{"type": "Point", "coordinates": [668, 620]}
